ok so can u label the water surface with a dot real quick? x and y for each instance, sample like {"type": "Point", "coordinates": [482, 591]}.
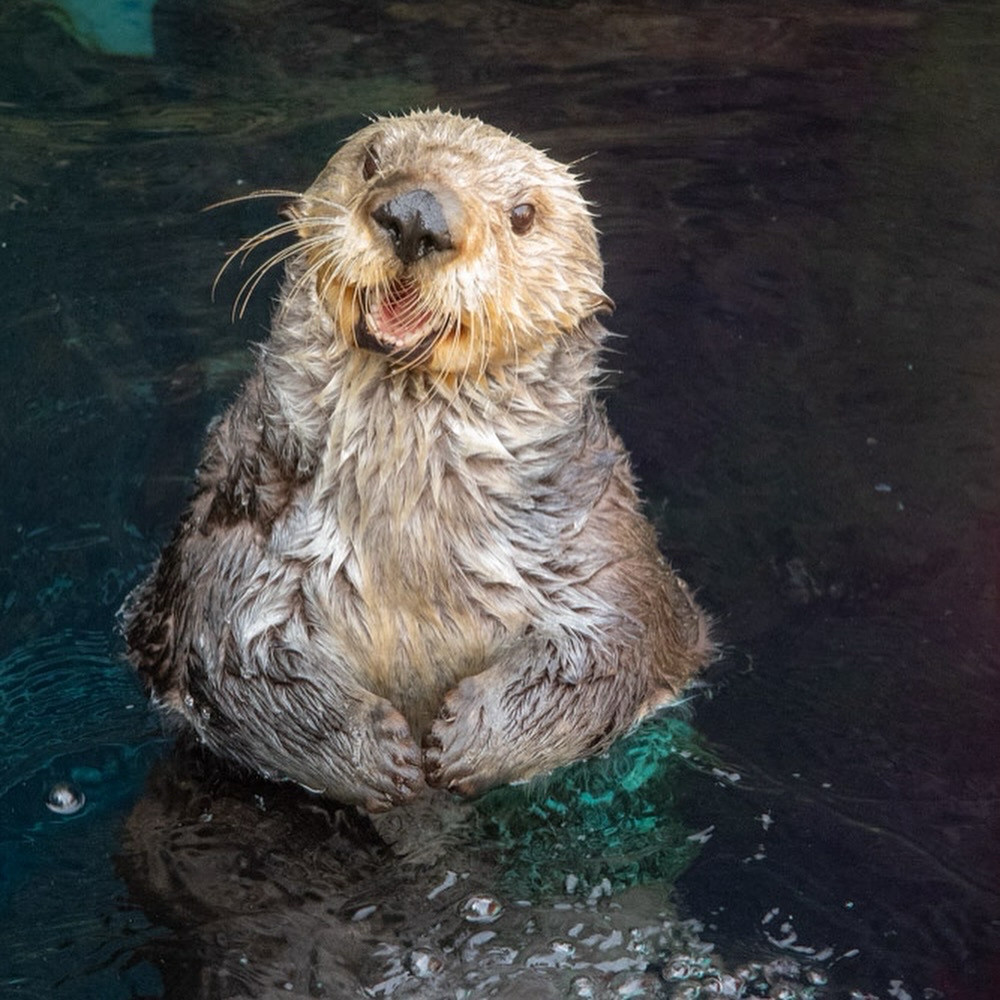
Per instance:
{"type": "Point", "coordinates": [799, 207]}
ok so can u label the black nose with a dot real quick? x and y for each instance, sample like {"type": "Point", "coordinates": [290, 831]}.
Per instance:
{"type": "Point", "coordinates": [415, 223]}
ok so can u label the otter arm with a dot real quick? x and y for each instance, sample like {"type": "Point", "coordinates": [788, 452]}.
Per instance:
{"type": "Point", "coordinates": [559, 700]}
{"type": "Point", "coordinates": [255, 689]}
{"type": "Point", "coordinates": [219, 635]}
{"type": "Point", "coordinates": [286, 717]}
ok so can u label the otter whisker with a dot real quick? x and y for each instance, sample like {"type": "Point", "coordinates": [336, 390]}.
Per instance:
{"type": "Point", "coordinates": [298, 197]}
{"type": "Point", "coordinates": [250, 244]}
{"type": "Point", "coordinates": [472, 335]}
{"type": "Point", "coordinates": [410, 362]}
{"type": "Point", "coordinates": [331, 289]}
{"type": "Point", "coordinates": [243, 251]}
{"type": "Point", "coordinates": [516, 345]}
{"type": "Point", "coordinates": [254, 195]}
{"type": "Point", "coordinates": [324, 262]}
{"type": "Point", "coordinates": [487, 335]}
{"type": "Point", "coordinates": [412, 306]}
{"type": "Point", "coordinates": [282, 228]}
{"type": "Point", "coordinates": [357, 304]}
{"type": "Point", "coordinates": [297, 249]}
{"type": "Point", "coordinates": [333, 275]}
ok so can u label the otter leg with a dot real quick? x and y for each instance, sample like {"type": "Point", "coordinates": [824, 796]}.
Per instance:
{"type": "Point", "coordinates": [529, 715]}
{"type": "Point", "coordinates": [288, 720]}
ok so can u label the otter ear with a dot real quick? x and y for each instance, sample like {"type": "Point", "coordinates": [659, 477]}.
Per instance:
{"type": "Point", "coordinates": [601, 303]}
{"type": "Point", "coordinates": [298, 211]}
{"type": "Point", "coordinates": [294, 211]}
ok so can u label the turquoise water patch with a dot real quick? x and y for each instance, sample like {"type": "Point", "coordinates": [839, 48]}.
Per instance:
{"type": "Point", "coordinates": [602, 824]}
{"type": "Point", "coordinates": [115, 27]}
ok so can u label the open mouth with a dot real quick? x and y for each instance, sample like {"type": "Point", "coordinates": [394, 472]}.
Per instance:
{"type": "Point", "coordinates": [396, 321]}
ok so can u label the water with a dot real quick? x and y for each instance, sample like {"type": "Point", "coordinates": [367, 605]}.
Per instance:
{"type": "Point", "coordinates": [799, 207]}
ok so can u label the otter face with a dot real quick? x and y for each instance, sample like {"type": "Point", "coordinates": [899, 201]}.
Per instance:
{"type": "Point", "coordinates": [448, 245]}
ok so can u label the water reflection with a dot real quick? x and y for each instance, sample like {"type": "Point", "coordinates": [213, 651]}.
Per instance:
{"type": "Point", "coordinates": [799, 207]}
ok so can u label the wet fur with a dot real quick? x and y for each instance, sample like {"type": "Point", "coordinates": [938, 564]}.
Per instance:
{"type": "Point", "coordinates": [394, 573]}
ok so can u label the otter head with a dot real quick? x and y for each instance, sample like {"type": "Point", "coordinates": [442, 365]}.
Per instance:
{"type": "Point", "coordinates": [448, 245]}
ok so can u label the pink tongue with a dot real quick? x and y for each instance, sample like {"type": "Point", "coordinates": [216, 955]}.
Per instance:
{"type": "Point", "coordinates": [398, 315]}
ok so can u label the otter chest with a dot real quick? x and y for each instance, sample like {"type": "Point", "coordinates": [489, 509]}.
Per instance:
{"type": "Point", "coordinates": [422, 548]}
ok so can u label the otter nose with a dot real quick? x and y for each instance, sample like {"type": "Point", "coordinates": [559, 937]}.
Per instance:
{"type": "Point", "coordinates": [415, 223]}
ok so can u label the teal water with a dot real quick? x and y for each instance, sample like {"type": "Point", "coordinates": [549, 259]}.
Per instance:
{"type": "Point", "coordinates": [799, 207]}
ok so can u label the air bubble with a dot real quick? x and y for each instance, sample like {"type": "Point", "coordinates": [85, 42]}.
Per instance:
{"type": "Point", "coordinates": [481, 909]}
{"type": "Point", "coordinates": [423, 964]}
{"type": "Point", "coordinates": [65, 799]}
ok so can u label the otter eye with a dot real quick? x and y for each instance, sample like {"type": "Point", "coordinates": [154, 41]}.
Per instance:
{"type": "Point", "coordinates": [522, 218]}
{"type": "Point", "coordinates": [370, 166]}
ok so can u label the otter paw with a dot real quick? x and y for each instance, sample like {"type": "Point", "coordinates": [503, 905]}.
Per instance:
{"type": "Point", "coordinates": [462, 752]}
{"type": "Point", "coordinates": [389, 761]}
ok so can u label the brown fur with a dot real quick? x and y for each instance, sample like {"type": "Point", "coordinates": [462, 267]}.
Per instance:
{"type": "Point", "coordinates": [415, 551]}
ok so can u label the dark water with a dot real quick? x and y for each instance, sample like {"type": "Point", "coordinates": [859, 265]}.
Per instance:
{"type": "Point", "coordinates": [800, 207]}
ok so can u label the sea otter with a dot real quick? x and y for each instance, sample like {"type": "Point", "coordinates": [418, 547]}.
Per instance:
{"type": "Point", "coordinates": [415, 553]}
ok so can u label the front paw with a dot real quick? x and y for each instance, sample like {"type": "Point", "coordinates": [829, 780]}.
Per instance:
{"type": "Point", "coordinates": [462, 752]}
{"type": "Point", "coordinates": [388, 761]}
